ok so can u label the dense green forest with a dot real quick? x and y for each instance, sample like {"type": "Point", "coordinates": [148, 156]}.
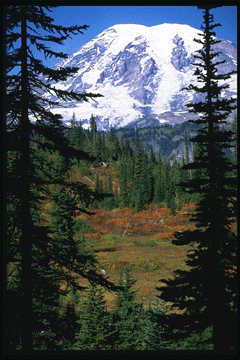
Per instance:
{"type": "Point", "coordinates": [145, 176]}
{"type": "Point", "coordinates": [56, 173]}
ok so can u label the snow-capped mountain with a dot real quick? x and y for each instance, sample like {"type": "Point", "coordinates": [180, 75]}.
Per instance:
{"type": "Point", "coordinates": [140, 71]}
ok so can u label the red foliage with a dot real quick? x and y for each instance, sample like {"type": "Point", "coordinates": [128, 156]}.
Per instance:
{"type": "Point", "coordinates": [165, 235]}
{"type": "Point", "coordinates": [152, 220]}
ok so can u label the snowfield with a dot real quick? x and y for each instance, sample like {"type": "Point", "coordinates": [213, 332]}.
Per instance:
{"type": "Point", "coordinates": [139, 70]}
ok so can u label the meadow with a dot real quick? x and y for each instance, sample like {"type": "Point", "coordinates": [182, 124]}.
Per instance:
{"type": "Point", "coordinates": [140, 239]}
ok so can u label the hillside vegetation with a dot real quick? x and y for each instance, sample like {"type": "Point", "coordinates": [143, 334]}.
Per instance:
{"type": "Point", "coordinates": [121, 236]}
{"type": "Point", "coordinates": [140, 240]}
{"type": "Point", "coordinates": [97, 222]}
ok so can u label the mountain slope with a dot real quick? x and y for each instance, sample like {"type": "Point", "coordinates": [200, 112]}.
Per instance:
{"type": "Point", "coordinates": [140, 71]}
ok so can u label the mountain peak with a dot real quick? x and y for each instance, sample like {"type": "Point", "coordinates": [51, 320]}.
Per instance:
{"type": "Point", "coordinates": [140, 70]}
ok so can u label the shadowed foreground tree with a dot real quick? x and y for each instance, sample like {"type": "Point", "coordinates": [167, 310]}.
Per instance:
{"type": "Point", "coordinates": [208, 290]}
{"type": "Point", "coordinates": [34, 255]}
{"type": "Point", "coordinates": [127, 315]}
{"type": "Point", "coordinates": [94, 319]}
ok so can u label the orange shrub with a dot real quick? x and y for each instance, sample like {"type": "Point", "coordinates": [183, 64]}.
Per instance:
{"type": "Point", "coordinates": [232, 272]}
{"type": "Point", "coordinates": [179, 228]}
{"type": "Point", "coordinates": [165, 235]}
{"type": "Point", "coordinates": [234, 227]}
{"type": "Point", "coordinates": [121, 222]}
{"type": "Point", "coordinates": [191, 226]}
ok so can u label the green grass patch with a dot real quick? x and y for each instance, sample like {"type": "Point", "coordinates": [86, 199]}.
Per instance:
{"type": "Point", "coordinates": [145, 244]}
{"type": "Point", "coordinates": [110, 239]}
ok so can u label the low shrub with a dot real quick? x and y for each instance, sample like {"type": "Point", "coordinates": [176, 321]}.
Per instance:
{"type": "Point", "coordinates": [110, 238]}
{"type": "Point", "coordinates": [196, 341]}
{"type": "Point", "coordinates": [83, 170]}
{"type": "Point", "coordinates": [165, 235]}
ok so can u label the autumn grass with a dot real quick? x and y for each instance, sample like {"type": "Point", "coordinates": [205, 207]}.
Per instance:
{"type": "Point", "coordinates": [142, 241]}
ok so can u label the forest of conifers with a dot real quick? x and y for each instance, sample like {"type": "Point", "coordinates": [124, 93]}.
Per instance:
{"type": "Point", "coordinates": [55, 174]}
{"type": "Point", "coordinates": [143, 178]}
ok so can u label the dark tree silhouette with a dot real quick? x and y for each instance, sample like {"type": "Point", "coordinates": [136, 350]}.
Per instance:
{"type": "Point", "coordinates": [208, 290]}
{"type": "Point", "coordinates": [27, 119]}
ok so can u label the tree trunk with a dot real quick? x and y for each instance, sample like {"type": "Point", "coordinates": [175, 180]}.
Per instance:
{"type": "Point", "coordinates": [26, 323]}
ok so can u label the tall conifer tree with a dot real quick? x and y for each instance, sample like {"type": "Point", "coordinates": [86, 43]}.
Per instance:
{"type": "Point", "coordinates": [26, 80]}
{"type": "Point", "coordinates": [93, 133]}
{"type": "Point", "coordinates": [138, 175]}
{"type": "Point", "coordinates": [94, 319]}
{"type": "Point", "coordinates": [208, 290]}
{"type": "Point", "coordinates": [127, 315]}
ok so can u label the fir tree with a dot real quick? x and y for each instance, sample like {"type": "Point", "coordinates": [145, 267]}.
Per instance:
{"type": "Point", "coordinates": [153, 160]}
{"type": "Point", "coordinates": [98, 148]}
{"type": "Point", "coordinates": [170, 187]}
{"type": "Point", "coordinates": [117, 150]}
{"type": "Point", "coordinates": [127, 315]}
{"type": "Point", "coordinates": [184, 177]}
{"type": "Point", "coordinates": [111, 135]}
{"type": "Point", "coordinates": [151, 334]}
{"type": "Point", "coordinates": [93, 133]}
{"type": "Point", "coordinates": [234, 140]}
{"type": "Point", "coordinates": [138, 175]}
{"type": "Point", "coordinates": [23, 97]}
{"type": "Point", "coordinates": [186, 146]}
{"type": "Point", "coordinates": [159, 182]}
{"type": "Point", "coordinates": [75, 134]}
{"type": "Point", "coordinates": [124, 184]}
{"type": "Point", "coordinates": [98, 189]}
{"type": "Point", "coordinates": [94, 320]}
{"type": "Point", "coordinates": [207, 291]}
{"type": "Point", "coordinates": [109, 202]}
{"type": "Point", "coordinates": [103, 148]}
{"type": "Point", "coordinates": [72, 132]}
{"type": "Point", "coordinates": [187, 151]}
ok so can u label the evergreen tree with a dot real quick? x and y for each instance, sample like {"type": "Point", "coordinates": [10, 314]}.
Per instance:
{"type": "Point", "coordinates": [124, 184]}
{"type": "Point", "coordinates": [234, 142]}
{"type": "Point", "coordinates": [184, 177]}
{"type": "Point", "coordinates": [151, 334]}
{"type": "Point", "coordinates": [103, 149]}
{"type": "Point", "coordinates": [117, 150]}
{"type": "Point", "coordinates": [159, 182]}
{"type": "Point", "coordinates": [127, 315]}
{"type": "Point", "coordinates": [98, 189]}
{"type": "Point", "coordinates": [138, 195]}
{"type": "Point", "coordinates": [147, 179]}
{"type": "Point", "coordinates": [69, 325]}
{"type": "Point", "coordinates": [98, 148]}
{"type": "Point", "coordinates": [93, 133]}
{"type": "Point", "coordinates": [207, 291]}
{"type": "Point", "coordinates": [170, 187]}
{"type": "Point", "coordinates": [75, 134]}
{"type": "Point", "coordinates": [127, 148]}
{"type": "Point", "coordinates": [72, 132]}
{"type": "Point", "coordinates": [153, 160]}
{"type": "Point", "coordinates": [187, 150]}
{"type": "Point", "coordinates": [111, 135]}
{"type": "Point", "coordinates": [116, 198]}
{"type": "Point", "coordinates": [186, 146]}
{"type": "Point", "coordinates": [94, 320]}
{"type": "Point", "coordinates": [170, 198]}
{"type": "Point", "coordinates": [109, 202]}
{"type": "Point", "coordinates": [23, 97]}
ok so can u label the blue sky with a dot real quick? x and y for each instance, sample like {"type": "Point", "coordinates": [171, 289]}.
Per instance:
{"type": "Point", "coordinates": [100, 18]}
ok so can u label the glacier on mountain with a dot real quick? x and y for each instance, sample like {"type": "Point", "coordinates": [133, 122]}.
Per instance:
{"type": "Point", "coordinates": [139, 70]}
